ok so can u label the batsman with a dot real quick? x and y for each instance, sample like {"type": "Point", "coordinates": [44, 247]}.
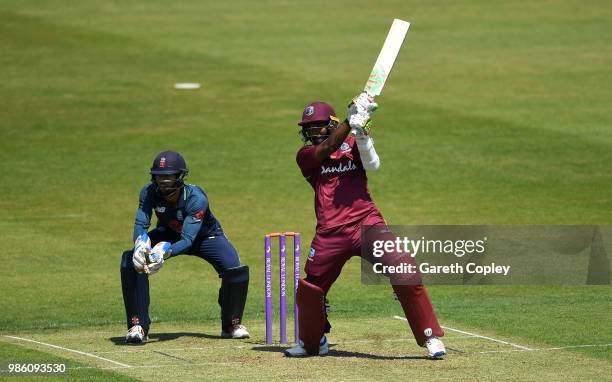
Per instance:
{"type": "Point", "coordinates": [185, 225]}
{"type": "Point", "coordinates": [335, 163]}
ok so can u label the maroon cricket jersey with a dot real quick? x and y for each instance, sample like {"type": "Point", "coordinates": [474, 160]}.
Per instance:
{"type": "Point", "coordinates": [340, 184]}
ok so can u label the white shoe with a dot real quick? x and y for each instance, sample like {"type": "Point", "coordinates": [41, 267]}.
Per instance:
{"type": "Point", "coordinates": [299, 351]}
{"type": "Point", "coordinates": [435, 347]}
{"type": "Point", "coordinates": [237, 332]}
{"type": "Point", "coordinates": [136, 335]}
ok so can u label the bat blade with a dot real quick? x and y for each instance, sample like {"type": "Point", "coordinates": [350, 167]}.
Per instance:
{"type": "Point", "coordinates": [386, 57]}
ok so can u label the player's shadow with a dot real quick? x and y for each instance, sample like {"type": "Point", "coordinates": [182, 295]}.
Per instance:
{"type": "Point", "coordinates": [354, 354]}
{"type": "Point", "coordinates": [342, 353]}
{"type": "Point", "coordinates": [159, 337]}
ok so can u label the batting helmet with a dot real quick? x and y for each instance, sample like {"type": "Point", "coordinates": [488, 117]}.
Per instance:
{"type": "Point", "coordinates": [317, 113]}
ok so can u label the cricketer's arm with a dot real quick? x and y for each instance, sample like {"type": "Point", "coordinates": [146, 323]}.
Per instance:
{"type": "Point", "coordinates": [367, 152]}
{"type": "Point", "coordinates": [333, 142]}
{"type": "Point", "coordinates": [143, 213]}
{"type": "Point", "coordinates": [196, 208]}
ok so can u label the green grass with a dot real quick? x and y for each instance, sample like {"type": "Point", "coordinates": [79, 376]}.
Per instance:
{"type": "Point", "coordinates": [494, 114]}
{"type": "Point", "coordinates": [362, 349]}
{"type": "Point", "coordinates": [10, 353]}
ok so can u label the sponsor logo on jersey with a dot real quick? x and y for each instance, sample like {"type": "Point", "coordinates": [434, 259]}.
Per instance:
{"type": "Point", "coordinates": [160, 209]}
{"type": "Point", "coordinates": [309, 111]}
{"type": "Point", "coordinates": [340, 168]}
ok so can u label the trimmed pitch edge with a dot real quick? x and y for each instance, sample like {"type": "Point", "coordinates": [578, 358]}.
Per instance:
{"type": "Point", "coordinates": [547, 349]}
{"type": "Point", "coordinates": [70, 350]}
{"type": "Point", "coordinates": [476, 335]}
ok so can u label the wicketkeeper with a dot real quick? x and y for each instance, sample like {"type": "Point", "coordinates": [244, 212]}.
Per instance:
{"type": "Point", "coordinates": [335, 164]}
{"type": "Point", "coordinates": [185, 225]}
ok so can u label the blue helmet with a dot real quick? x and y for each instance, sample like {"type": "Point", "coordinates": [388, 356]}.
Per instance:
{"type": "Point", "coordinates": [169, 163]}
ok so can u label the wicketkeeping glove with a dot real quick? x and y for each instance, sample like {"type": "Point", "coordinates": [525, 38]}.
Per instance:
{"type": "Point", "coordinates": [156, 257]}
{"type": "Point", "coordinates": [142, 247]}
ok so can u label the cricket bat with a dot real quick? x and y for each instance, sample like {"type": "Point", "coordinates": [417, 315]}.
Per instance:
{"type": "Point", "coordinates": [386, 57]}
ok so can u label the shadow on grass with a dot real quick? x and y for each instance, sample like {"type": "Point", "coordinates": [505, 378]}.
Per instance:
{"type": "Point", "coordinates": [159, 337]}
{"type": "Point", "coordinates": [342, 353]}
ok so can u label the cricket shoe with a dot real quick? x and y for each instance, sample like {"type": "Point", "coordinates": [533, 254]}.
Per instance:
{"type": "Point", "coordinates": [136, 335]}
{"type": "Point", "coordinates": [236, 332]}
{"type": "Point", "coordinates": [435, 347]}
{"type": "Point", "coordinates": [299, 351]}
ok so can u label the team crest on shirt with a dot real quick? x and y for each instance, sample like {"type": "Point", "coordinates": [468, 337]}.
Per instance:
{"type": "Point", "coordinates": [175, 225]}
{"type": "Point", "coordinates": [311, 254]}
{"type": "Point", "coordinates": [309, 111]}
{"type": "Point", "coordinates": [160, 209]}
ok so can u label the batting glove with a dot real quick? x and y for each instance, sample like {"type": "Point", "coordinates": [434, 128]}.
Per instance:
{"type": "Point", "coordinates": [360, 123]}
{"type": "Point", "coordinates": [359, 114]}
{"type": "Point", "coordinates": [157, 256]}
{"type": "Point", "coordinates": [362, 135]}
{"type": "Point", "coordinates": [363, 102]}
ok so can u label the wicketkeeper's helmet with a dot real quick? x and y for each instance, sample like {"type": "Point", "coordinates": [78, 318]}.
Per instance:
{"type": "Point", "coordinates": [169, 163]}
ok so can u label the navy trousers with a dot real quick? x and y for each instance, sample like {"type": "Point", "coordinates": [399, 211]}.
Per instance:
{"type": "Point", "coordinates": [216, 250]}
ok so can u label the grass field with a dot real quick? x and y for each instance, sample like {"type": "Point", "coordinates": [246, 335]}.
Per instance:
{"type": "Point", "coordinates": [496, 113]}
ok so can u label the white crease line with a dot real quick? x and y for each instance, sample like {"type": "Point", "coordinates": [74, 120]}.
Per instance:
{"type": "Point", "coordinates": [70, 350]}
{"type": "Point", "coordinates": [151, 349]}
{"type": "Point", "coordinates": [546, 349]}
{"type": "Point", "coordinates": [161, 365]}
{"type": "Point", "coordinates": [488, 338]}
{"type": "Point", "coordinates": [476, 335]}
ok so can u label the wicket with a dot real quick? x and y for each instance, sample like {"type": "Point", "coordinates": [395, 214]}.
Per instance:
{"type": "Point", "coordinates": [283, 283]}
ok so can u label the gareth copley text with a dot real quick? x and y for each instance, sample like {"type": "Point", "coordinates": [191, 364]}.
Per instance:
{"type": "Point", "coordinates": [426, 268]}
